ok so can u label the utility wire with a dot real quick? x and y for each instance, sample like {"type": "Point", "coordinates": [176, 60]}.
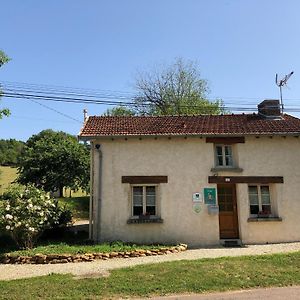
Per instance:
{"type": "Point", "coordinates": [40, 88]}
{"type": "Point", "coordinates": [103, 99]}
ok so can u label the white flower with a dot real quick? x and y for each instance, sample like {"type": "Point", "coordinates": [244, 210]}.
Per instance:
{"type": "Point", "coordinates": [41, 213]}
{"type": "Point", "coordinates": [29, 206]}
{"type": "Point", "coordinates": [31, 229]}
{"type": "Point", "coordinates": [7, 227]}
{"type": "Point", "coordinates": [18, 224]}
{"type": "Point", "coordinates": [8, 216]}
{"type": "Point", "coordinates": [7, 207]}
{"type": "Point", "coordinates": [26, 225]}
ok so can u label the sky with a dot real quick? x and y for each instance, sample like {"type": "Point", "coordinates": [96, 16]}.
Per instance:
{"type": "Point", "coordinates": [239, 46]}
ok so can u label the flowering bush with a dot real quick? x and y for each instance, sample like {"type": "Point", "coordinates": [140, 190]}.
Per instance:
{"type": "Point", "coordinates": [27, 211]}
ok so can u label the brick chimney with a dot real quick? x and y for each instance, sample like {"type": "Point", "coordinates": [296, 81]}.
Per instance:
{"type": "Point", "coordinates": [269, 109]}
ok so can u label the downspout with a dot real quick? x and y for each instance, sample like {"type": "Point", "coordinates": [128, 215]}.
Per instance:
{"type": "Point", "coordinates": [97, 200]}
{"type": "Point", "coordinates": [91, 192]}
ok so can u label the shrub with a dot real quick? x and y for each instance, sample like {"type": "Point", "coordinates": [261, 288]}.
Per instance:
{"type": "Point", "coordinates": [28, 211]}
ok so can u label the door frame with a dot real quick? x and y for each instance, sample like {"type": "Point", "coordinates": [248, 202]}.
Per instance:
{"type": "Point", "coordinates": [235, 210]}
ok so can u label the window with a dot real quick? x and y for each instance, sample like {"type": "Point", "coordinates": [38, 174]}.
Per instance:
{"type": "Point", "coordinates": [144, 200]}
{"type": "Point", "coordinates": [224, 156]}
{"type": "Point", "coordinates": [260, 200]}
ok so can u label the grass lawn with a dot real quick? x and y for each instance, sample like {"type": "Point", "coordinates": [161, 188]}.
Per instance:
{"type": "Point", "coordinates": [73, 248]}
{"type": "Point", "coordinates": [78, 205]}
{"type": "Point", "coordinates": [196, 276]}
{"type": "Point", "coordinates": [7, 176]}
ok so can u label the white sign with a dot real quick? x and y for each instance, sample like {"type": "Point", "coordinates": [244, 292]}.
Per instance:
{"type": "Point", "coordinates": [197, 197]}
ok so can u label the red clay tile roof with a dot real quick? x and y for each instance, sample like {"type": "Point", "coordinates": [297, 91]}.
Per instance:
{"type": "Point", "coordinates": [239, 124]}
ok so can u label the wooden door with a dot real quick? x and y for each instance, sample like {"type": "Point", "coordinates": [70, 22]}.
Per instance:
{"type": "Point", "coordinates": [228, 218]}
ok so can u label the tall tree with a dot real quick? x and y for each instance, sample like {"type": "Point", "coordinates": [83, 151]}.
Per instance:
{"type": "Point", "coordinates": [119, 111]}
{"type": "Point", "coordinates": [3, 60]}
{"type": "Point", "coordinates": [54, 160]}
{"type": "Point", "coordinates": [175, 89]}
{"type": "Point", "coordinates": [10, 152]}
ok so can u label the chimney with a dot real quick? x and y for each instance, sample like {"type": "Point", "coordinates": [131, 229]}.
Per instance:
{"type": "Point", "coordinates": [269, 109]}
{"type": "Point", "coordinates": [84, 114]}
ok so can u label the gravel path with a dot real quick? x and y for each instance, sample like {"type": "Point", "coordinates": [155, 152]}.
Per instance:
{"type": "Point", "coordinates": [101, 267]}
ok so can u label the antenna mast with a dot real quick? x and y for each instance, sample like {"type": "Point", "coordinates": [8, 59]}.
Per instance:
{"type": "Point", "coordinates": [281, 83]}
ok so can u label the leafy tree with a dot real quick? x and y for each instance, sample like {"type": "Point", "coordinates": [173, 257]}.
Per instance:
{"type": "Point", "coordinates": [10, 152]}
{"type": "Point", "coordinates": [54, 160]}
{"type": "Point", "coordinates": [119, 111]}
{"type": "Point", "coordinates": [3, 60]}
{"type": "Point", "coordinates": [176, 89]}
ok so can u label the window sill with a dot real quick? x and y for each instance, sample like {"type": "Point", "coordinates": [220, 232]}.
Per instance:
{"type": "Point", "coordinates": [264, 219]}
{"type": "Point", "coordinates": [227, 169]}
{"type": "Point", "coordinates": [144, 220]}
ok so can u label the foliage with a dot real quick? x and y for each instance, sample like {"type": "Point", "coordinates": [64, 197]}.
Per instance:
{"type": "Point", "coordinates": [78, 205]}
{"type": "Point", "coordinates": [175, 89]}
{"type": "Point", "coordinates": [178, 277]}
{"type": "Point", "coordinates": [3, 60]}
{"type": "Point", "coordinates": [53, 160]}
{"type": "Point", "coordinates": [10, 152]}
{"type": "Point", "coordinates": [27, 212]}
{"type": "Point", "coordinates": [119, 111]}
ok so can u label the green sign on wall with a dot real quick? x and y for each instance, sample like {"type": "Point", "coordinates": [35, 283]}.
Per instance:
{"type": "Point", "coordinates": [210, 196]}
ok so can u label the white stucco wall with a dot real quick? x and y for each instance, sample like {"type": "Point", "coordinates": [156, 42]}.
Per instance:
{"type": "Point", "coordinates": [188, 163]}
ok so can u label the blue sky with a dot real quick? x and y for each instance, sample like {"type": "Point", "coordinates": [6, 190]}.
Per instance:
{"type": "Point", "coordinates": [239, 45]}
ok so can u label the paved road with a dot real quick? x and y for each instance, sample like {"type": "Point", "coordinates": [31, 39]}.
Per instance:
{"type": "Point", "coordinates": [282, 293]}
{"type": "Point", "coordinates": [101, 268]}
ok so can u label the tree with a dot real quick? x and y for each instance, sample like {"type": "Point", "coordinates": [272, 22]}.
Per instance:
{"type": "Point", "coordinates": [10, 152]}
{"type": "Point", "coordinates": [54, 160]}
{"type": "Point", "coordinates": [119, 111]}
{"type": "Point", "coordinates": [3, 60]}
{"type": "Point", "coordinates": [177, 89]}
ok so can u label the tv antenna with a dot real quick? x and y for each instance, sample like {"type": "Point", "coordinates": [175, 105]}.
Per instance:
{"type": "Point", "coordinates": [281, 83]}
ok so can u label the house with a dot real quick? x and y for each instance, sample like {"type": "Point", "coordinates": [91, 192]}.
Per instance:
{"type": "Point", "coordinates": [199, 180]}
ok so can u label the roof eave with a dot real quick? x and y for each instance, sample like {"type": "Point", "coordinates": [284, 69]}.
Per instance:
{"type": "Point", "coordinates": [95, 137]}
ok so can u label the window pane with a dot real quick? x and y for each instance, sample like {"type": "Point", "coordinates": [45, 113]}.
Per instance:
{"type": "Point", "coordinates": [219, 150]}
{"type": "Point", "coordinates": [253, 195]}
{"type": "Point", "coordinates": [228, 160]}
{"type": "Point", "coordinates": [265, 195]}
{"type": "Point", "coordinates": [150, 210]}
{"type": "Point", "coordinates": [228, 156]}
{"type": "Point", "coordinates": [150, 200]}
{"type": "Point", "coordinates": [266, 209]}
{"type": "Point", "coordinates": [137, 210]}
{"type": "Point", "coordinates": [254, 209]}
{"type": "Point", "coordinates": [220, 160]}
{"type": "Point", "coordinates": [137, 192]}
{"type": "Point", "coordinates": [228, 150]}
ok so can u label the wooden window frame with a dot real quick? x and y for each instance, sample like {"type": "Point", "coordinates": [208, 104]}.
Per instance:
{"type": "Point", "coordinates": [260, 201]}
{"type": "Point", "coordinates": [224, 156]}
{"type": "Point", "coordinates": [145, 201]}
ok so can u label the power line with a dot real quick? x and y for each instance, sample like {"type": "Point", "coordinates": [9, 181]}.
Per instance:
{"type": "Point", "coordinates": [72, 97]}
{"type": "Point", "coordinates": [98, 93]}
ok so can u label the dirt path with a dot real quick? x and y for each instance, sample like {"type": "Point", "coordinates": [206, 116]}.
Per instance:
{"type": "Point", "coordinates": [100, 267]}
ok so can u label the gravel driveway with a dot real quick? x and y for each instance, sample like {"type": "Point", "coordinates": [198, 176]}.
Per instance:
{"type": "Point", "coordinates": [101, 268]}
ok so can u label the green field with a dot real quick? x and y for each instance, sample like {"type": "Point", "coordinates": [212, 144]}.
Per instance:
{"type": "Point", "coordinates": [7, 176]}
{"type": "Point", "coordinates": [78, 203]}
{"type": "Point", "coordinates": [181, 277]}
